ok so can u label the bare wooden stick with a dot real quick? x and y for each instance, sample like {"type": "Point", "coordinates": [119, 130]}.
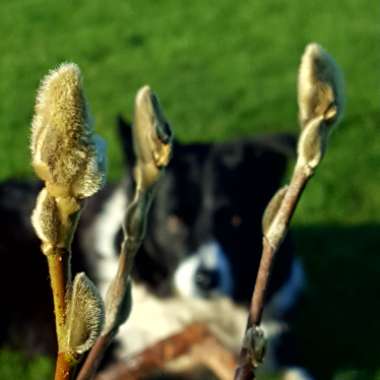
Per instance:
{"type": "Point", "coordinates": [157, 355]}
{"type": "Point", "coordinates": [213, 355]}
{"type": "Point", "coordinates": [195, 340]}
{"type": "Point", "coordinates": [58, 272]}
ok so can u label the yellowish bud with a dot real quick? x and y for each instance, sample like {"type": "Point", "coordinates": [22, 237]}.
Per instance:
{"type": "Point", "coordinates": [270, 230]}
{"type": "Point", "coordinates": [84, 316]}
{"type": "Point", "coordinates": [320, 86]}
{"type": "Point", "coordinates": [152, 138]}
{"type": "Point", "coordinates": [46, 219]}
{"type": "Point", "coordinates": [64, 151]}
{"type": "Point", "coordinates": [320, 101]}
{"type": "Point", "coordinates": [118, 304]}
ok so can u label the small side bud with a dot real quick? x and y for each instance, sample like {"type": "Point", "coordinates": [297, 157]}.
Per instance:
{"type": "Point", "coordinates": [84, 317]}
{"type": "Point", "coordinates": [272, 209]}
{"type": "Point", "coordinates": [118, 305]}
{"type": "Point", "coordinates": [152, 138]}
{"type": "Point", "coordinates": [320, 87]}
{"type": "Point", "coordinates": [64, 153]}
{"type": "Point", "coordinates": [46, 220]}
{"type": "Point", "coordinates": [255, 342]}
{"type": "Point", "coordinates": [312, 143]}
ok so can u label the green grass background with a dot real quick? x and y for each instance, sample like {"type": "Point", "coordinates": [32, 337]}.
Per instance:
{"type": "Point", "coordinates": [224, 69]}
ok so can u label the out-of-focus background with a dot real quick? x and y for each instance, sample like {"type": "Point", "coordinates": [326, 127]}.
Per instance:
{"type": "Point", "coordinates": [224, 69]}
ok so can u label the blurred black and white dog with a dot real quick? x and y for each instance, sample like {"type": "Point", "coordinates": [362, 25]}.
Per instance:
{"type": "Point", "coordinates": [198, 261]}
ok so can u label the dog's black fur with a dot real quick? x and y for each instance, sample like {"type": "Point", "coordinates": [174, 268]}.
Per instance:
{"type": "Point", "coordinates": [210, 192]}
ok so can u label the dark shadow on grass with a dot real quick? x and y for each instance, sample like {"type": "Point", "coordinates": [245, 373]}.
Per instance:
{"type": "Point", "coordinates": [339, 324]}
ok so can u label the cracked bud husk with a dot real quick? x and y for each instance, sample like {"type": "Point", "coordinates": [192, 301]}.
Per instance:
{"type": "Point", "coordinates": [320, 101]}
{"type": "Point", "coordinates": [152, 138]}
{"type": "Point", "coordinates": [270, 228]}
{"type": "Point", "coordinates": [118, 305]}
{"type": "Point", "coordinates": [255, 343]}
{"type": "Point", "coordinates": [84, 317]}
{"type": "Point", "coordinates": [65, 153]}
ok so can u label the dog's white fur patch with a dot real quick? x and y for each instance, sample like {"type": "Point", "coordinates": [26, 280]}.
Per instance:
{"type": "Point", "coordinates": [296, 373]}
{"type": "Point", "coordinates": [106, 227]}
{"type": "Point", "coordinates": [210, 256]}
{"type": "Point", "coordinates": [153, 319]}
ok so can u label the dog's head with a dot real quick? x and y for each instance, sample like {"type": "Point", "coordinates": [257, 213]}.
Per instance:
{"type": "Point", "coordinates": [204, 228]}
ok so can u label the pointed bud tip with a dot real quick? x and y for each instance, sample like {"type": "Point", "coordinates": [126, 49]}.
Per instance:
{"type": "Point", "coordinates": [144, 94]}
{"type": "Point", "coordinates": [320, 86]}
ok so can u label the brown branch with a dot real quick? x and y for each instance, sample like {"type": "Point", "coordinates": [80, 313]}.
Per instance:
{"type": "Point", "coordinates": [248, 358]}
{"type": "Point", "coordinates": [157, 355]}
{"type": "Point", "coordinates": [59, 272]}
{"type": "Point", "coordinates": [57, 264]}
{"type": "Point", "coordinates": [196, 340]}
{"type": "Point", "coordinates": [94, 357]}
{"type": "Point", "coordinates": [63, 367]}
{"type": "Point", "coordinates": [212, 354]}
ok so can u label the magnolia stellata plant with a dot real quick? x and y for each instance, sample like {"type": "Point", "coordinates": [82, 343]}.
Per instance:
{"type": "Point", "coordinates": [70, 159]}
{"type": "Point", "coordinates": [320, 102]}
{"type": "Point", "coordinates": [152, 144]}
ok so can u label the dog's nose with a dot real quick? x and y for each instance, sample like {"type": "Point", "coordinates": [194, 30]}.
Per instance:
{"type": "Point", "coordinates": [207, 280]}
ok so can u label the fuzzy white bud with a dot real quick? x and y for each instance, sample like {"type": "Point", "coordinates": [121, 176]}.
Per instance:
{"type": "Point", "coordinates": [64, 151]}
{"type": "Point", "coordinates": [84, 316]}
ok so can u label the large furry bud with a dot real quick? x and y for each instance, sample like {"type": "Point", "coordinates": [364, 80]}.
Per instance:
{"type": "Point", "coordinates": [65, 153]}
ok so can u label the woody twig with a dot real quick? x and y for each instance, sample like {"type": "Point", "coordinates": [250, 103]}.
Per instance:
{"type": "Point", "coordinates": [320, 101]}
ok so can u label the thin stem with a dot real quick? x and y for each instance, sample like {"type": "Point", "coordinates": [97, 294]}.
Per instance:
{"type": "Point", "coordinates": [59, 271]}
{"type": "Point", "coordinates": [158, 354]}
{"type": "Point", "coordinates": [63, 368]}
{"type": "Point", "coordinates": [262, 280]}
{"type": "Point", "coordinates": [271, 244]}
{"type": "Point", "coordinates": [94, 357]}
{"type": "Point", "coordinates": [57, 282]}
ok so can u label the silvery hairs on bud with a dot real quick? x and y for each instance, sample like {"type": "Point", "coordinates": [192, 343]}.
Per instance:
{"type": "Point", "coordinates": [84, 316]}
{"type": "Point", "coordinates": [65, 153]}
{"type": "Point", "coordinates": [320, 86]}
{"type": "Point", "coordinates": [46, 218]}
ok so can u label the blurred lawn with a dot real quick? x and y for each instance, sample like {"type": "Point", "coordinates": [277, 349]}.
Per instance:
{"type": "Point", "coordinates": [224, 69]}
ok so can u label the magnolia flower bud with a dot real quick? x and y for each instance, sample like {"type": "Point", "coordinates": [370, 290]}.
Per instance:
{"type": "Point", "coordinates": [320, 86]}
{"type": "Point", "coordinates": [152, 138]}
{"type": "Point", "coordinates": [46, 219]}
{"type": "Point", "coordinates": [118, 304]}
{"type": "Point", "coordinates": [271, 230]}
{"type": "Point", "coordinates": [320, 101]}
{"type": "Point", "coordinates": [255, 342]}
{"type": "Point", "coordinates": [84, 316]}
{"type": "Point", "coordinates": [64, 152]}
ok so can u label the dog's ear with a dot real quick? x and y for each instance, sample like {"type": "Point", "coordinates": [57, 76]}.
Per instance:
{"type": "Point", "coordinates": [125, 135]}
{"type": "Point", "coordinates": [282, 143]}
